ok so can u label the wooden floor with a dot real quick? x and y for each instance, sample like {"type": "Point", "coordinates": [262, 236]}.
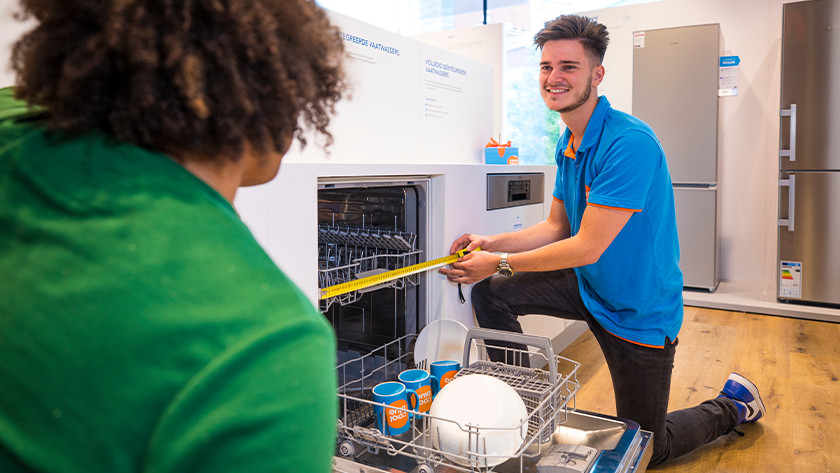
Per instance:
{"type": "Point", "coordinates": [795, 364]}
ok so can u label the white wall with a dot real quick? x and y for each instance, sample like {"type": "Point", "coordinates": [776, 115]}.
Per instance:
{"type": "Point", "coordinates": [10, 31]}
{"type": "Point", "coordinates": [411, 103]}
{"type": "Point", "coordinates": [749, 138]}
{"type": "Point", "coordinates": [485, 44]}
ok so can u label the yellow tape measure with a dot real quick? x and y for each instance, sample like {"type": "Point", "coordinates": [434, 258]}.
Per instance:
{"type": "Point", "coordinates": [381, 278]}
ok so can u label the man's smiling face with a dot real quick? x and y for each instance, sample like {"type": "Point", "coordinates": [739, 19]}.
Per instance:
{"type": "Point", "coordinates": [566, 75]}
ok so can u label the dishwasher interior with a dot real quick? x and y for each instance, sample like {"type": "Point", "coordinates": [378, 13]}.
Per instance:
{"type": "Point", "coordinates": [367, 226]}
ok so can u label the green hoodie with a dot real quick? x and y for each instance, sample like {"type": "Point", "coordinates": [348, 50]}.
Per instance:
{"type": "Point", "coordinates": [142, 328]}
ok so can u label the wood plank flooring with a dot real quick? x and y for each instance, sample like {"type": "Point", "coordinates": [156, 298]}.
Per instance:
{"type": "Point", "coordinates": [795, 364]}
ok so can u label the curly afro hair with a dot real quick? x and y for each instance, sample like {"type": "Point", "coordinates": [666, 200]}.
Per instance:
{"type": "Point", "coordinates": [197, 77]}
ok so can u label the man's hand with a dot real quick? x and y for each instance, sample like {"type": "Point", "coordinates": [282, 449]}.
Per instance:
{"type": "Point", "coordinates": [469, 242]}
{"type": "Point", "coordinates": [472, 267]}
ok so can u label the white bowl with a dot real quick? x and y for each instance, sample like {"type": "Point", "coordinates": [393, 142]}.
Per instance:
{"type": "Point", "coordinates": [482, 402]}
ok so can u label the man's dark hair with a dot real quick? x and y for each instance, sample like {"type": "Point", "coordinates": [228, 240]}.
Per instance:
{"type": "Point", "coordinates": [590, 33]}
{"type": "Point", "coordinates": [197, 77]}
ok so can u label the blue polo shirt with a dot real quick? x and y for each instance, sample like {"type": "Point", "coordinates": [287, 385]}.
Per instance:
{"type": "Point", "coordinates": [635, 289]}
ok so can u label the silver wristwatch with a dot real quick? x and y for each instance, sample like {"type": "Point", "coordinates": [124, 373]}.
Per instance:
{"type": "Point", "coordinates": [504, 268]}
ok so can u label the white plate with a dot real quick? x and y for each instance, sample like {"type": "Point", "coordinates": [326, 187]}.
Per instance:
{"type": "Point", "coordinates": [486, 404]}
{"type": "Point", "coordinates": [442, 339]}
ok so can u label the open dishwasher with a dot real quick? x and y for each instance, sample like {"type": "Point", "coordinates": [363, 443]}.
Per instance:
{"type": "Point", "coordinates": [559, 439]}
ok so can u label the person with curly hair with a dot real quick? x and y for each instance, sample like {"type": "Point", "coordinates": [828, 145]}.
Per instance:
{"type": "Point", "coordinates": [142, 327]}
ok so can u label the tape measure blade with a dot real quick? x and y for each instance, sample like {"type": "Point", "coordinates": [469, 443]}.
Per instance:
{"type": "Point", "coordinates": [388, 276]}
{"type": "Point", "coordinates": [370, 281]}
{"type": "Point", "coordinates": [358, 284]}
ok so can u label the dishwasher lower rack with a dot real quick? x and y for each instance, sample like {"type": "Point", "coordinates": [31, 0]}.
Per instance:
{"type": "Point", "coordinates": [548, 395]}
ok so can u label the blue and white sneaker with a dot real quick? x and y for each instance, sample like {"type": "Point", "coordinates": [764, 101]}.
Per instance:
{"type": "Point", "coordinates": [745, 395]}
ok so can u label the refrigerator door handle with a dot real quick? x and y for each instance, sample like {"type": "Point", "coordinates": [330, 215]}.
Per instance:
{"type": "Point", "coordinates": [790, 183]}
{"type": "Point", "coordinates": [791, 152]}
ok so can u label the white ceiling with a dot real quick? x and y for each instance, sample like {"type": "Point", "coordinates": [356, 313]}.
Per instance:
{"type": "Point", "coordinates": [412, 17]}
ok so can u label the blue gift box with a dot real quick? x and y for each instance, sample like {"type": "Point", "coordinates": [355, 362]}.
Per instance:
{"type": "Point", "coordinates": [501, 155]}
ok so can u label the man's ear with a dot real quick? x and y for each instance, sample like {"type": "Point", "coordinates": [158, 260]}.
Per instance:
{"type": "Point", "coordinates": [598, 75]}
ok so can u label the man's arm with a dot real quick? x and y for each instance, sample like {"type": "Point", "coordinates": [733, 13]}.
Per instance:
{"type": "Point", "coordinates": [599, 227]}
{"type": "Point", "coordinates": [554, 228]}
{"type": "Point", "coordinates": [545, 246]}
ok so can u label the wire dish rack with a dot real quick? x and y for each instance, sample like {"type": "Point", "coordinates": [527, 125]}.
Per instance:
{"type": "Point", "coordinates": [548, 393]}
{"type": "Point", "coordinates": [347, 253]}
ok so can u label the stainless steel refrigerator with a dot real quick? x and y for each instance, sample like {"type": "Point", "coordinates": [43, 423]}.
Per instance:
{"type": "Point", "coordinates": [675, 90]}
{"type": "Point", "coordinates": [809, 154]}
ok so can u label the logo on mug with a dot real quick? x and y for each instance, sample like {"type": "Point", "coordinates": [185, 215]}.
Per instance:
{"type": "Point", "coordinates": [424, 395]}
{"type": "Point", "coordinates": [447, 377]}
{"type": "Point", "coordinates": [397, 418]}
{"type": "Point", "coordinates": [445, 371]}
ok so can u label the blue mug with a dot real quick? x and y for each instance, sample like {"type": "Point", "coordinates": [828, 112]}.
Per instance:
{"type": "Point", "coordinates": [422, 384]}
{"type": "Point", "coordinates": [392, 420]}
{"type": "Point", "coordinates": [444, 371]}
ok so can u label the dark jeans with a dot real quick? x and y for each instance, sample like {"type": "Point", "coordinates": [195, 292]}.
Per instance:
{"type": "Point", "coordinates": [641, 376]}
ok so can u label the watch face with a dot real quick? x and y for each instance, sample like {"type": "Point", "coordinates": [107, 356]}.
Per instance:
{"type": "Point", "coordinates": [505, 271]}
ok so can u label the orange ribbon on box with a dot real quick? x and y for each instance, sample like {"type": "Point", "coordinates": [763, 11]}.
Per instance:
{"type": "Point", "coordinates": [495, 144]}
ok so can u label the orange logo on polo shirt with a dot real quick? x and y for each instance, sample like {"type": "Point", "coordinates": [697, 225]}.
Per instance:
{"type": "Point", "coordinates": [396, 418]}
{"type": "Point", "coordinates": [424, 396]}
{"type": "Point", "coordinates": [587, 193]}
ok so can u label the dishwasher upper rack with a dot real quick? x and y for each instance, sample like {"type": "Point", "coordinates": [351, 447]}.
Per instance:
{"type": "Point", "coordinates": [346, 253]}
{"type": "Point", "coordinates": [548, 396]}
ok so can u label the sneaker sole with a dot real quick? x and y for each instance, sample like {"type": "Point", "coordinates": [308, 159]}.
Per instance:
{"type": "Point", "coordinates": [752, 389]}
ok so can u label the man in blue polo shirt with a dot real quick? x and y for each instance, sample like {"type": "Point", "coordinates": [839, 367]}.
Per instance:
{"type": "Point", "coordinates": [607, 254]}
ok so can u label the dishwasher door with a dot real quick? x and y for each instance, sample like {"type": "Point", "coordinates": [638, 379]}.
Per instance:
{"type": "Point", "coordinates": [586, 443]}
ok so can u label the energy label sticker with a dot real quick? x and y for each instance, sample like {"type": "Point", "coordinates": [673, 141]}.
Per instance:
{"type": "Point", "coordinates": [790, 279]}
{"type": "Point", "coordinates": [638, 39]}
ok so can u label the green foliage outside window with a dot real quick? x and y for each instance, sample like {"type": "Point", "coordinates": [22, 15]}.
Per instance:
{"type": "Point", "coordinates": [530, 125]}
